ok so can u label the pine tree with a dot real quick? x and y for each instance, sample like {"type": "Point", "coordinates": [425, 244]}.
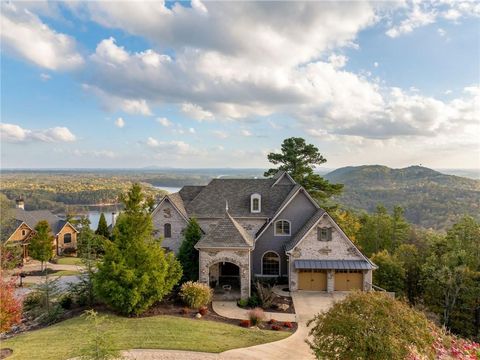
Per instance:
{"type": "Point", "coordinates": [188, 255]}
{"type": "Point", "coordinates": [102, 228]}
{"type": "Point", "coordinates": [299, 159]}
{"type": "Point", "coordinates": [135, 271]}
{"type": "Point", "coordinates": [42, 243]}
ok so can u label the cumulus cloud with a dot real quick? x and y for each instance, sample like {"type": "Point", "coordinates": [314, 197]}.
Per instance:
{"type": "Point", "coordinates": [15, 133]}
{"type": "Point", "coordinates": [220, 134]}
{"type": "Point", "coordinates": [164, 121]}
{"type": "Point", "coordinates": [171, 148]}
{"type": "Point", "coordinates": [196, 112]}
{"type": "Point", "coordinates": [120, 122]}
{"type": "Point", "coordinates": [95, 153]}
{"type": "Point", "coordinates": [246, 133]}
{"type": "Point", "coordinates": [26, 36]}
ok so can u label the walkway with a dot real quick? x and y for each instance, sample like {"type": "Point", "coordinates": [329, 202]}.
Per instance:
{"type": "Point", "coordinates": [229, 309]}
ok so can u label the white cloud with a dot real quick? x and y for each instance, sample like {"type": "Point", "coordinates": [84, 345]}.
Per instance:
{"type": "Point", "coordinates": [152, 142]}
{"type": "Point", "coordinates": [196, 112]}
{"type": "Point", "coordinates": [171, 148]}
{"type": "Point", "coordinates": [95, 153]}
{"type": "Point", "coordinates": [416, 18]}
{"type": "Point", "coordinates": [191, 130]}
{"type": "Point", "coordinates": [164, 121]}
{"type": "Point", "coordinates": [246, 133]}
{"type": "Point", "coordinates": [220, 134]}
{"type": "Point", "coordinates": [15, 133]}
{"type": "Point", "coordinates": [45, 77]}
{"type": "Point", "coordinates": [26, 36]}
{"type": "Point", "coordinates": [375, 64]}
{"type": "Point", "coordinates": [441, 32]}
{"type": "Point", "coordinates": [337, 61]}
{"type": "Point", "coordinates": [120, 122]}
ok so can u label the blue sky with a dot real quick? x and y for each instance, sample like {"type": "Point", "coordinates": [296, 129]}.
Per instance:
{"type": "Point", "coordinates": [133, 84]}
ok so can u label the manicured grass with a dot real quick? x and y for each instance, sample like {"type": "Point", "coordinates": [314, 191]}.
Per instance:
{"type": "Point", "coordinates": [69, 261]}
{"type": "Point", "coordinates": [63, 340]}
{"type": "Point", "coordinates": [66, 272]}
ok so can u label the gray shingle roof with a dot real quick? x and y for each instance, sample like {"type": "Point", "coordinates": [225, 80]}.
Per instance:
{"type": "Point", "coordinates": [333, 264]}
{"type": "Point", "coordinates": [177, 201]}
{"type": "Point", "coordinates": [304, 229]}
{"type": "Point", "coordinates": [227, 233]}
{"type": "Point", "coordinates": [188, 193]}
{"type": "Point", "coordinates": [210, 200]}
{"type": "Point", "coordinates": [31, 218]}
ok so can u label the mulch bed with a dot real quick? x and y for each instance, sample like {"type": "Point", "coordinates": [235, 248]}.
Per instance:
{"type": "Point", "coordinates": [4, 353]}
{"type": "Point", "coordinates": [279, 300]}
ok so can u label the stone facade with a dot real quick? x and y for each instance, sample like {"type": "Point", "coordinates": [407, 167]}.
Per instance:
{"type": "Point", "coordinates": [241, 258]}
{"type": "Point", "coordinates": [61, 245]}
{"type": "Point", "coordinates": [339, 248]}
{"type": "Point", "coordinates": [166, 213]}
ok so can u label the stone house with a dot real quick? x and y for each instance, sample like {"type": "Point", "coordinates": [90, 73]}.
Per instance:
{"type": "Point", "coordinates": [65, 234]}
{"type": "Point", "coordinates": [263, 228]}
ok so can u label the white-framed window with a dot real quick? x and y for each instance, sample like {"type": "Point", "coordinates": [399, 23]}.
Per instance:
{"type": "Point", "coordinates": [324, 234]}
{"type": "Point", "coordinates": [271, 263]}
{"type": "Point", "coordinates": [255, 203]}
{"type": "Point", "coordinates": [282, 228]}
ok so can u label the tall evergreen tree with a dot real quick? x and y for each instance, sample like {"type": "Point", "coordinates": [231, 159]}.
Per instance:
{"type": "Point", "coordinates": [135, 271]}
{"type": "Point", "coordinates": [299, 159]}
{"type": "Point", "coordinates": [188, 255]}
{"type": "Point", "coordinates": [42, 243]}
{"type": "Point", "coordinates": [102, 228]}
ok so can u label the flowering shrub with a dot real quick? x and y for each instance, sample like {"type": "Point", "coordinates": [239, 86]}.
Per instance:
{"type": "Point", "coordinates": [272, 321]}
{"type": "Point", "coordinates": [195, 294]}
{"type": "Point", "coordinates": [10, 306]}
{"type": "Point", "coordinates": [288, 324]}
{"type": "Point", "coordinates": [256, 316]}
{"type": "Point", "coordinates": [276, 327]}
{"type": "Point", "coordinates": [447, 347]}
{"type": "Point", "coordinates": [203, 310]}
{"type": "Point", "coordinates": [245, 323]}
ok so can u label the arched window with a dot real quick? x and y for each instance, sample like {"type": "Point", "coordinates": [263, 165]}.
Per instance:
{"type": "Point", "coordinates": [282, 228]}
{"type": "Point", "coordinates": [255, 203]}
{"type": "Point", "coordinates": [167, 230]}
{"type": "Point", "coordinates": [271, 263]}
{"type": "Point", "coordinates": [67, 238]}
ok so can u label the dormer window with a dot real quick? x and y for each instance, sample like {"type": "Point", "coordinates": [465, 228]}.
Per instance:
{"type": "Point", "coordinates": [282, 228]}
{"type": "Point", "coordinates": [255, 203]}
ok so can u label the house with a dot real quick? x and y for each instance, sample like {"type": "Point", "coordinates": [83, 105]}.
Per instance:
{"type": "Point", "coordinates": [65, 234]}
{"type": "Point", "coordinates": [266, 228]}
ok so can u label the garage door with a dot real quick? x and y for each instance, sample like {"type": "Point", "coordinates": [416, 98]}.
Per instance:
{"type": "Point", "coordinates": [312, 279]}
{"type": "Point", "coordinates": [346, 280]}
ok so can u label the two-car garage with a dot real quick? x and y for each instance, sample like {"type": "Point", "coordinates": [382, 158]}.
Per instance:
{"type": "Point", "coordinates": [331, 275]}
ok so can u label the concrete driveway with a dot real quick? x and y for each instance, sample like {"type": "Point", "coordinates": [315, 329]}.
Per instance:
{"type": "Point", "coordinates": [307, 304]}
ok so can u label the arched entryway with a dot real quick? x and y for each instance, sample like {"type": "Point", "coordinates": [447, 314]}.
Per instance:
{"type": "Point", "coordinates": [224, 279]}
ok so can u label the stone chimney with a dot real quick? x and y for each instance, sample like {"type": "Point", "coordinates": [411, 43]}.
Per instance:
{"type": "Point", "coordinates": [20, 203]}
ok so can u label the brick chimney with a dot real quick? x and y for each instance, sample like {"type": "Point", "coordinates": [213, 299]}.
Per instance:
{"type": "Point", "coordinates": [20, 203]}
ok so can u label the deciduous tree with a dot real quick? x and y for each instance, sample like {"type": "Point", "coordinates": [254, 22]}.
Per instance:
{"type": "Point", "coordinates": [10, 305]}
{"type": "Point", "coordinates": [42, 243]}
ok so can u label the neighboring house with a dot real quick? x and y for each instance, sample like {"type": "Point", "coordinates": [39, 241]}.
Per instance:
{"type": "Point", "coordinates": [263, 228]}
{"type": "Point", "coordinates": [65, 234]}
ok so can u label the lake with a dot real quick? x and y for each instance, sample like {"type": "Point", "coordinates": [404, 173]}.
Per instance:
{"type": "Point", "coordinates": [169, 189]}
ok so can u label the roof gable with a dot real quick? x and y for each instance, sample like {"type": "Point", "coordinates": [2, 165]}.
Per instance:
{"type": "Point", "coordinates": [228, 233]}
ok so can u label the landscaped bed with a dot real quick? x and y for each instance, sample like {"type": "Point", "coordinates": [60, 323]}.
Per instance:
{"type": "Point", "coordinates": [63, 340]}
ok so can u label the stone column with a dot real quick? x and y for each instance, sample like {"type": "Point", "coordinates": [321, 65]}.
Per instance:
{"type": "Point", "coordinates": [203, 270]}
{"type": "Point", "coordinates": [330, 281]}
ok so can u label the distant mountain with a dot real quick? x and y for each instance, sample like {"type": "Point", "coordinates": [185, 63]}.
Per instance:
{"type": "Point", "coordinates": [430, 198]}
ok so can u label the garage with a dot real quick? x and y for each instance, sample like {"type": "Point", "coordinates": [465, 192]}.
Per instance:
{"type": "Point", "coordinates": [312, 279]}
{"type": "Point", "coordinates": [346, 280]}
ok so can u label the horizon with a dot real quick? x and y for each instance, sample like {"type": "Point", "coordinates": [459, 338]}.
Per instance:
{"type": "Point", "coordinates": [95, 85]}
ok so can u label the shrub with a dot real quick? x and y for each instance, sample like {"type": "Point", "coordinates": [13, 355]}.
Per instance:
{"type": "Point", "coordinates": [242, 303]}
{"type": "Point", "coordinates": [275, 327]}
{"type": "Point", "coordinates": [272, 321]}
{"type": "Point", "coordinates": [393, 329]}
{"type": "Point", "coordinates": [245, 323]}
{"type": "Point", "coordinates": [288, 324]}
{"type": "Point", "coordinates": [195, 294]}
{"type": "Point", "coordinates": [203, 310]}
{"type": "Point", "coordinates": [253, 301]}
{"type": "Point", "coordinates": [265, 294]}
{"type": "Point", "coordinates": [184, 311]}
{"type": "Point", "coordinates": [10, 306]}
{"type": "Point", "coordinates": [69, 251]}
{"type": "Point", "coordinates": [32, 300]}
{"type": "Point", "coordinates": [256, 316]}
{"type": "Point", "coordinates": [66, 301]}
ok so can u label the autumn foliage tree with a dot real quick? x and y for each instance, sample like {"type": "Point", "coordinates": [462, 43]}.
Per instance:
{"type": "Point", "coordinates": [10, 306]}
{"type": "Point", "coordinates": [41, 245]}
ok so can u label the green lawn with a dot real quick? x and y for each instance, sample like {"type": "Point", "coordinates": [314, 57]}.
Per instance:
{"type": "Point", "coordinates": [63, 340]}
{"type": "Point", "coordinates": [69, 261]}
